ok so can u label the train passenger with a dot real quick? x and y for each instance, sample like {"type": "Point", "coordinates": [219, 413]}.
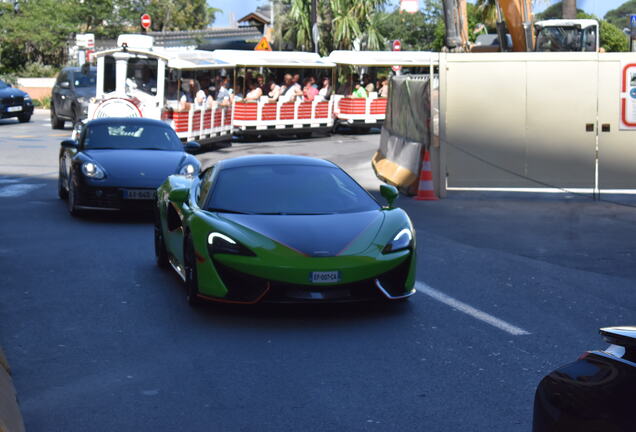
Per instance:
{"type": "Point", "coordinates": [326, 90]}
{"type": "Point", "coordinates": [383, 91]}
{"type": "Point", "coordinates": [309, 91]}
{"type": "Point", "coordinates": [359, 91]}
{"type": "Point", "coordinates": [366, 82]}
{"type": "Point", "coordinates": [255, 92]}
{"type": "Point", "coordinates": [274, 92]}
{"type": "Point", "coordinates": [224, 94]}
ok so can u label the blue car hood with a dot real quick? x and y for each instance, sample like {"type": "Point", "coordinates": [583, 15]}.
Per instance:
{"type": "Point", "coordinates": [12, 91]}
{"type": "Point", "coordinates": [313, 235]}
{"type": "Point", "coordinates": [137, 168]}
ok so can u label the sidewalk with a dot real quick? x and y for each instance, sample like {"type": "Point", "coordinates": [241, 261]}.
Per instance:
{"type": "Point", "coordinates": [10, 416]}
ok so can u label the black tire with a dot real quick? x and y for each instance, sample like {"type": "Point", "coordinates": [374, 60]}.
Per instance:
{"type": "Point", "coordinates": [161, 253]}
{"type": "Point", "coordinates": [24, 118]}
{"type": "Point", "coordinates": [190, 269]}
{"type": "Point", "coordinates": [72, 199]}
{"type": "Point", "coordinates": [62, 193]}
{"type": "Point", "coordinates": [56, 122]}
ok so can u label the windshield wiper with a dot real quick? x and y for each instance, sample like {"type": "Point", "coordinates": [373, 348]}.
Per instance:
{"type": "Point", "coordinates": [222, 210]}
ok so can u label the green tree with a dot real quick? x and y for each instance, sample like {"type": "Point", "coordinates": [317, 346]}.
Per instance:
{"type": "Point", "coordinates": [620, 16]}
{"type": "Point", "coordinates": [173, 15]}
{"type": "Point", "coordinates": [415, 31]}
{"type": "Point", "coordinates": [340, 23]}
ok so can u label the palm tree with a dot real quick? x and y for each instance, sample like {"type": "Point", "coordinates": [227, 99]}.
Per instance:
{"type": "Point", "coordinates": [569, 9]}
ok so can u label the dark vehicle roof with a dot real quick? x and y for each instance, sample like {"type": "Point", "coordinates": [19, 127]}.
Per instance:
{"type": "Point", "coordinates": [254, 160]}
{"type": "Point", "coordinates": [127, 121]}
{"type": "Point", "coordinates": [77, 69]}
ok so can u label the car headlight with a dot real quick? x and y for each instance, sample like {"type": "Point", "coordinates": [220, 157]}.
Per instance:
{"type": "Point", "coordinates": [188, 170]}
{"type": "Point", "coordinates": [220, 243]}
{"type": "Point", "coordinates": [27, 97]}
{"type": "Point", "coordinates": [82, 100]}
{"type": "Point", "coordinates": [92, 170]}
{"type": "Point", "coordinates": [402, 240]}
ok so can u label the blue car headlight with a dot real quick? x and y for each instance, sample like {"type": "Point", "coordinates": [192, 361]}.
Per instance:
{"type": "Point", "coordinates": [220, 243]}
{"type": "Point", "coordinates": [402, 240]}
{"type": "Point", "coordinates": [92, 170]}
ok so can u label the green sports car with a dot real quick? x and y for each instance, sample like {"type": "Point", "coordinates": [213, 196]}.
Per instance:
{"type": "Point", "coordinates": [279, 228]}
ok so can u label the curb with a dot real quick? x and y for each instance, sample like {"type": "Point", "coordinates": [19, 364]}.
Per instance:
{"type": "Point", "coordinates": [10, 415]}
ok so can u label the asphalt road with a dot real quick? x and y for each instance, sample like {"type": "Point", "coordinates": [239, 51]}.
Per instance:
{"type": "Point", "coordinates": [511, 286]}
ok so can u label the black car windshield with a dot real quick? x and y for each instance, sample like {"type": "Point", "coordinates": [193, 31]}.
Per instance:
{"type": "Point", "coordinates": [131, 136]}
{"type": "Point", "coordinates": [3, 85]}
{"type": "Point", "coordinates": [84, 80]}
{"type": "Point", "coordinates": [288, 189]}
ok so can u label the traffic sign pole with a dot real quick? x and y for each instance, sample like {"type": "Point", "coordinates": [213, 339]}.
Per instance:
{"type": "Point", "coordinates": [397, 46]}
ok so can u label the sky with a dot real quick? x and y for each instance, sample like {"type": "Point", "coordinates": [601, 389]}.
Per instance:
{"type": "Point", "coordinates": [240, 8]}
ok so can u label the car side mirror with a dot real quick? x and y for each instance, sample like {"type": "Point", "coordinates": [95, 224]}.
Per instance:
{"type": "Point", "coordinates": [390, 193]}
{"type": "Point", "coordinates": [192, 146]}
{"type": "Point", "coordinates": [69, 144]}
{"type": "Point", "coordinates": [9, 85]}
{"type": "Point", "coordinates": [65, 84]}
{"type": "Point", "coordinates": [179, 195]}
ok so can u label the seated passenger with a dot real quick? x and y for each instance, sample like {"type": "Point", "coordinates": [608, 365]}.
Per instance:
{"type": "Point", "coordinates": [366, 82]}
{"type": "Point", "coordinates": [274, 92]}
{"type": "Point", "coordinates": [189, 91]}
{"type": "Point", "coordinates": [383, 91]}
{"type": "Point", "coordinates": [325, 90]}
{"type": "Point", "coordinates": [255, 92]}
{"type": "Point", "coordinates": [359, 91]}
{"type": "Point", "coordinates": [309, 91]}
{"type": "Point", "coordinates": [289, 89]}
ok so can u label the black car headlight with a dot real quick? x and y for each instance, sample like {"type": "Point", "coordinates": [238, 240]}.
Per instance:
{"type": "Point", "coordinates": [402, 240]}
{"type": "Point", "coordinates": [189, 170]}
{"type": "Point", "coordinates": [220, 243]}
{"type": "Point", "coordinates": [92, 170]}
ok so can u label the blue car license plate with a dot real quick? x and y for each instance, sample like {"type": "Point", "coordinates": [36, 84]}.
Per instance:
{"type": "Point", "coordinates": [324, 277]}
{"type": "Point", "coordinates": [139, 194]}
{"type": "Point", "coordinates": [14, 109]}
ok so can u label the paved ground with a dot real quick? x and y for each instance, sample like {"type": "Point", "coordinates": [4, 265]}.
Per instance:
{"type": "Point", "coordinates": [100, 339]}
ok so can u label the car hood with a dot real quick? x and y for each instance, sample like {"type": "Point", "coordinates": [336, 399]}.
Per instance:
{"type": "Point", "coordinates": [85, 92]}
{"type": "Point", "coordinates": [316, 235]}
{"type": "Point", "coordinates": [140, 168]}
{"type": "Point", "coordinates": [12, 91]}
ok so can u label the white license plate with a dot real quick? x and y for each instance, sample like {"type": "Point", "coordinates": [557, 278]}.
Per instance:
{"type": "Point", "coordinates": [325, 277]}
{"type": "Point", "coordinates": [139, 194]}
{"type": "Point", "coordinates": [14, 109]}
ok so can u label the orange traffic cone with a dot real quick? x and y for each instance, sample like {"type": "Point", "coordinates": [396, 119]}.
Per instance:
{"type": "Point", "coordinates": [426, 191]}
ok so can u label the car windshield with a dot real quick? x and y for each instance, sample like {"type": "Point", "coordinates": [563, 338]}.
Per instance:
{"type": "Point", "coordinates": [84, 80]}
{"type": "Point", "coordinates": [559, 39]}
{"type": "Point", "coordinates": [131, 136]}
{"type": "Point", "coordinates": [288, 189]}
{"type": "Point", "coordinates": [3, 85]}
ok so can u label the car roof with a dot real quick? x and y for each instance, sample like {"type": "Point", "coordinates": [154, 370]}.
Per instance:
{"type": "Point", "coordinates": [273, 159]}
{"type": "Point", "coordinates": [77, 69]}
{"type": "Point", "coordinates": [127, 121]}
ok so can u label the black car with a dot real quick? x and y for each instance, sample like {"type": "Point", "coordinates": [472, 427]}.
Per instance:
{"type": "Point", "coordinates": [73, 89]}
{"type": "Point", "coordinates": [15, 103]}
{"type": "Point", "coordinates": [595, 393]}
{"type": "Point", "coordinates": [118, 163]}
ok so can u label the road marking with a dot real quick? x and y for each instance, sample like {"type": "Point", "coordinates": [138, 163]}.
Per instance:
{"type": "Point", "coordinates": [469, 310]}
{"type": "Point", "coordinates": [16, 190]}
{"type": "Point", "coordinates": [23, 136]}
{"type": "Point", "coordinates": [59, 135]}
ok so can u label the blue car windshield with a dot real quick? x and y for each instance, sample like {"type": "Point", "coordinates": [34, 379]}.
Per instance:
{"type": "Point", "coordinates": [288, 189]}
{"type": "Point", "coordinates": [130, 136]}
{"type": "Point", "coordinates": [84, 80]}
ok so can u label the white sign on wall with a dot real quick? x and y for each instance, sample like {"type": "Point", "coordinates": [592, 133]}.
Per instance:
{"type": "Point", "coordinates": [628, 97]}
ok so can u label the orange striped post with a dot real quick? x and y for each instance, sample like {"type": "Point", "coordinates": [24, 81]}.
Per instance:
{"type": "Point", "coordinates": [426, 190]}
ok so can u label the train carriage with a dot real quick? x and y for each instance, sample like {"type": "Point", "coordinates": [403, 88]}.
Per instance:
{"type": "Point", "coordinates": [141, 80]}
{"type": "Point", "coordinates": [285, 114]}
{"type": "Point", "coordinates": [367, 109]}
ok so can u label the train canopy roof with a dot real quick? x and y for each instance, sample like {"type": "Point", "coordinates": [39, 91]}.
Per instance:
{"type": "Point", "coordinates": [290, 59]}
{"type": "Point", "coordinates": [384, 58]}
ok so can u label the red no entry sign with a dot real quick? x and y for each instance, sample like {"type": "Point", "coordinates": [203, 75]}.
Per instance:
{"type": "Point", "coordinates": [397, 45]}
{"type": "Point", "coordinates": [146, 21]}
